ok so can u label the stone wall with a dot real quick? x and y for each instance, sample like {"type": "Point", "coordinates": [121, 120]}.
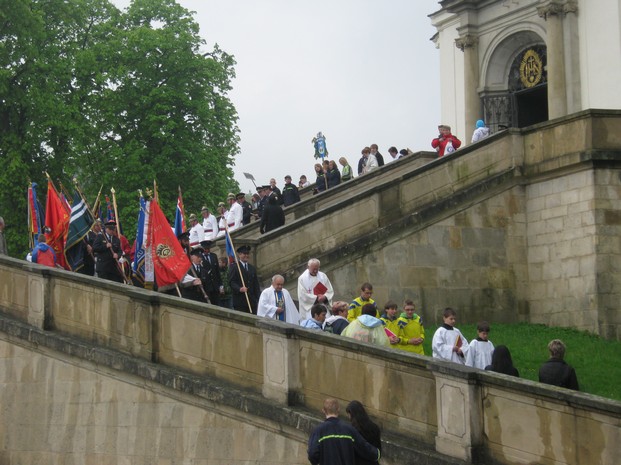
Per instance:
{"type": "Point", "coordinates": [62, 410]}
{"type": "Point", "coordinates": [206, 375]}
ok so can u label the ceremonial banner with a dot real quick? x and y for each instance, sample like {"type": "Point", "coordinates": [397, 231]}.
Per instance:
{"type": "Point", "coordinates": [179, 216]}
{"type": "Point", "coordinates": [57, 220]}
{"type": "Point", "coordinates": [109, 211]}
{"type": "Point", "coordinates": [139, 256]}
{"type": "Point", "coordinates": [170, 263]}
{"type": "Point", "coordinates": [80, 223]}
{"type": "Point", "coordinates": [36, 215]}
{"type": "Point", "coordinates": [319, 142]}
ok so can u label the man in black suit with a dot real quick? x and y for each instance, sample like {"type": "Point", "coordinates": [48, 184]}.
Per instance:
{"type": "Point", "coordinates": [248, 286]}
{"type": "Point", "coordinates": [213, 282]}
{"type": "Point", "coordinates": [89, 256]}
{"type": "Point", "coordinates": [197, 276]}
{"type": "Point", "coordinates": [107, 248]}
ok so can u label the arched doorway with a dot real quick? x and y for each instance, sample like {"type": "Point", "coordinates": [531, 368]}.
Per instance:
{"type": "Point", "coordinates": [516, 86]}
{"type": "Point", "coordinates": [528, 86]}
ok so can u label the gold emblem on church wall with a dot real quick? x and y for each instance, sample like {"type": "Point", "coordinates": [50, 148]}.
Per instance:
{"type": "Point", "coordinates": [531, 69]}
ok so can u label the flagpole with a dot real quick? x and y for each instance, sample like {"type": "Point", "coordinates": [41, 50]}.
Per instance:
{"type": "Point", "coordinates": [126, 279]}
{"type": "Point", "coordinates": [30, 232]}
{"type": "Point", "coordinates": [97, 202]}
{"type": "Point", "coordinates": [116, 211]}
{"type": "Point", "coordinates": [226, 227]}
{"type": "Point", "coordinates": [79, 191]}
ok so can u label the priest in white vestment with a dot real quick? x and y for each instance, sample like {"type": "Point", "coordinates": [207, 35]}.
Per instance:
{"type": "Point", "coordinates": [313, 287]}
{"type": "Point", "coordinates": [276, 302]}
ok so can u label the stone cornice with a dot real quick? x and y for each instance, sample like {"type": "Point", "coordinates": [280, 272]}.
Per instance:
{"type": "Point", "coordinates": [466, 41]}
{"type": "Point", "coordinates": [557, 8]}
{"type": "Point", "coordinates": [570, 7]}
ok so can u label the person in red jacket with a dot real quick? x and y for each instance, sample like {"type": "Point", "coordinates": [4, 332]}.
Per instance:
{"type": "Point", "coordinates": [440, 143]}
{"type": "Point", "coordinates": [43, 254]}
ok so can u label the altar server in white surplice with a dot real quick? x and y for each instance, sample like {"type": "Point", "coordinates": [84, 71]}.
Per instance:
{"type": "Point", "coordinates": [314, 287]}
{"type": "Point", "coordinates": [276, 302]}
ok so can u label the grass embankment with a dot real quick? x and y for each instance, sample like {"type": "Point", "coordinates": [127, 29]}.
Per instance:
{"type": "Point", "coordinates": [596, 360]}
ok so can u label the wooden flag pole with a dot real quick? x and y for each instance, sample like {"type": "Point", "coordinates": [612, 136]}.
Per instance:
{"type": "Point", "coordinates": [238, 267]}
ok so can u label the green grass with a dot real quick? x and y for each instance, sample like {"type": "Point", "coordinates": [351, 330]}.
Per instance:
{"type": "Point", "coordinates": [597, 361]}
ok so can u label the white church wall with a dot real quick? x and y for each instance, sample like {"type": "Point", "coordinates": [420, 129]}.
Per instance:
{"type": "Point", "coordinates": [600, 53]}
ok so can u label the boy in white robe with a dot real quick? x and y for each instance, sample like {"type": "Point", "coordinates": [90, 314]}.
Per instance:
{"type": "Point", "coordinates": [448, 342]}
{"type": "Point", "coordinates": [276, 302]}
{"type": "Point", "coordinates": [480, 350]}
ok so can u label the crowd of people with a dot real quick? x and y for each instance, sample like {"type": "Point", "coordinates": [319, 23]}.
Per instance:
{"type": "Point", "coordinates": [335, 441]}
{"type": "Point", "coordinates": [269, 199]}
{"type": "Point", "coordinates": [328, 174]}
{"type": "Point", "coordinates": [236, 286]}
{"type": "Point", "coordinates": [451, 345]}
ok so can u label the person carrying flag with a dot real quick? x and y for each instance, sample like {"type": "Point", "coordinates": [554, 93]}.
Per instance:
{"type": "Point", "coordinates": [107, 247]}
{"type": "Point", "coordinates": [244, 282]}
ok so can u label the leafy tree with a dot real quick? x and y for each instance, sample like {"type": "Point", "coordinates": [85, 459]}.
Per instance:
{"type": "Point", "coordinates": [115, 98]}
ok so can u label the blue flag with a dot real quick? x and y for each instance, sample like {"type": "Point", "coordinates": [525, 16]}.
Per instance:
{"type": "Point", "coordinates": [229, 247]}
{"type": "Point", "coordinates": [139, 256]}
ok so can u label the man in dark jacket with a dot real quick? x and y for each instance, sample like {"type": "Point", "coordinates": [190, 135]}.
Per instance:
{"type": "Point", "coordinates": [107, 248]}
{"type": "Point", "coordinates": [246, 208]}
{"type": "Point", "coordinates": [273, 216]}
{"type": "Point", "coordinates": [334, 442]}
{"type": "Point", "coordinates": [290, 193]}
{"type": "Point", "coordinates": [245, 284]}
{"type": "Point", "coordinates": [556, 371]}
{"type": "Point", "coordinates": [213, 281]}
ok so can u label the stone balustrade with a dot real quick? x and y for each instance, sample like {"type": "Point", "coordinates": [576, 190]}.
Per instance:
{"type": "Point", "coordinates": [463, 413]}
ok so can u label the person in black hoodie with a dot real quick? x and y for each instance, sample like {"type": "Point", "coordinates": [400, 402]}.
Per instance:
{"type": "Point", "coordinates": [363, 424]}
{"type": "Point", "coordinates": [502, 362]}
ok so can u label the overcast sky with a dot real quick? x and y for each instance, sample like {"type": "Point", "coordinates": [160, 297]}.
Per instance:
{"type": "Point", "coordinates": [360, 71]}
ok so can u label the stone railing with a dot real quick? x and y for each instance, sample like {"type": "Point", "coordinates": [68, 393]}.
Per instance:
{"type": "Point", "coordinates": [463, 413]}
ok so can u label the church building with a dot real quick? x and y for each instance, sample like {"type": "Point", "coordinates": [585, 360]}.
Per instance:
{"type": "Point", "coordinates": [515, 63]}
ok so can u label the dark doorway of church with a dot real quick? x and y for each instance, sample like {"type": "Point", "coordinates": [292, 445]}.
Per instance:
{"type": "Point", "coordinates": [531, 105]}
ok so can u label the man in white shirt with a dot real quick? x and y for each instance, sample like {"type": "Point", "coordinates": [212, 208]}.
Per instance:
{"type": "Point", "coordinates": [235, 215]}
{"type": "Point", "coordinates": [210, 225]}
{"type": "Point", "coordinates": [276, 302]}
{"type": "Point", "coordinates": [313, 287]}
{"type": "Point", "coordinates": [196, 231]}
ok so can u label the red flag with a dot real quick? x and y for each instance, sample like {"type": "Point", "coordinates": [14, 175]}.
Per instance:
{"type": "Point", "coordinates": [170, 263]}
{"type": "Point", "coordinates": [57, 220]}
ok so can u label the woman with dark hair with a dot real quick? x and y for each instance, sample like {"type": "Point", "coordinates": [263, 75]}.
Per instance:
{"type": "Point", "coordinates": [363, 424]}
{"type": "Point", "coordinates": [333, 174]}
{"type": "Point", "coordinates": [502, 362]}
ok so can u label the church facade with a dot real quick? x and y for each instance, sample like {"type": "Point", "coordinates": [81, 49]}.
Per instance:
{"type": "Point", "coordinates": [515, 63]}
